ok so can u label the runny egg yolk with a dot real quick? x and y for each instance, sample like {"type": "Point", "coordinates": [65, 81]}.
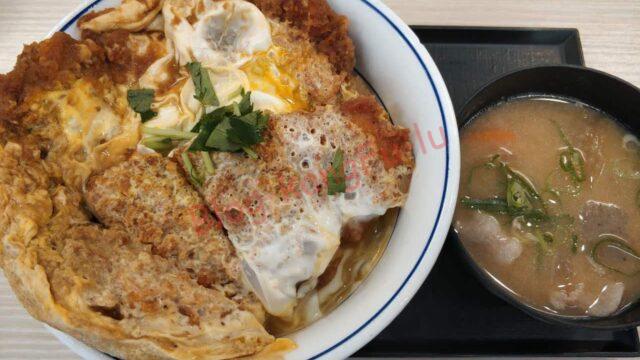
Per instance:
{"type": "Point", "coordinates": [272, 72]}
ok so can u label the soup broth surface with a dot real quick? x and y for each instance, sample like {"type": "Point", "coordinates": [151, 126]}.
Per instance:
{"type": "Point", "coordinates": [550, 205]}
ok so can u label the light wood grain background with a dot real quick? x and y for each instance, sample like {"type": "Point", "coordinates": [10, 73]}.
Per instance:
{"type": "Point", "coordinates": [609, 29]}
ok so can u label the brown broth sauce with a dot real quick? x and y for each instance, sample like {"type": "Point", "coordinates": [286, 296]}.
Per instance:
{"type": "Point", "coordinates": [354, 261]}
{"type": "Point", "coordinates": [559, 275]}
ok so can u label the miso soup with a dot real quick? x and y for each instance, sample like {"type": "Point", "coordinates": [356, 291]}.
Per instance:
{"type": "Point", "coordinates": [550, 205]}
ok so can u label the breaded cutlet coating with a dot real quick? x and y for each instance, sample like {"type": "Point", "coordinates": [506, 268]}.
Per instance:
{"type": "Point", "coordinates": [281, 200]}
{"type": "Point", "coordinates": [326, 29]}
{"type": "Point", "coordinates": [101, 286]}
{"type": "Point", "coordinates": [150, 198]}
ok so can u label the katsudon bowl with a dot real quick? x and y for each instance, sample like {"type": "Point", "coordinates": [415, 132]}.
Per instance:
{"type": "Point", "coordinates": [404, 77]}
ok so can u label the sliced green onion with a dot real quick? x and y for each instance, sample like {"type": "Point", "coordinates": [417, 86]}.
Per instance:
{"type": "Point", "coordinates": [237, 92]}
{"type": "Point", "coordinates": [193, 174]}
{"type": "Point", "coordinates": [518, 196]}
{"type": "Point", "coordinates": [614, 254]}
{"type": "Point", "coordinates": [208, 163]}
{"type": "Point", "coordinates": [572, 162]}
{"type": "Point", "coordinates": [157, 143]}
{"type": "Point", "coordinates": [499, 206]}
{"type": "Point", "coordinates": [563, 136]}
{"type": "Point", "coordinates": [252, 154]}
{"type": "Point", "coordinates": [168, 133]}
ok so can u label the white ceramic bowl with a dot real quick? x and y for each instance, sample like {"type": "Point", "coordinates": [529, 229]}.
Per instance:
{"type": "Point", "coordinates": [405, 77]}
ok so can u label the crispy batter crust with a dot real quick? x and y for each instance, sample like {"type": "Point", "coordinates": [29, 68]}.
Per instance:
{"type": "Point", "coordinates": [325, 28]}
{"type": "Point", "coordinates": [315, 73]}
{"type": "Point", "coordinates": [270, 198]}
{"type": "Point", "coordinates": [149, 197]}
{"type": "Point", "coordinates": [157, 278]}
{"type": "Point", "coordinates": [52, 64]}
{"type": "Point", "coordinates": [328, 30]}
{"type": "Point", "coordinates": [392, 143]}
{"type": "Point", "coordinates": [56, 63]}
{"type": "Point", "coordinates": [102, 286]}
{"type": "Point", "coordinates": [120, 46]}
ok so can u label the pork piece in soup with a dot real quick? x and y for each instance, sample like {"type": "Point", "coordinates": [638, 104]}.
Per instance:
{"type": "Point", "coordinates": [550, 205]}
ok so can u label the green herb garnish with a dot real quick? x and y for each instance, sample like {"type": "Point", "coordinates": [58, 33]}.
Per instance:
{"type": "Point", "coordinates": [336, 179]}
{"type": "Point", "coordinates": [571, 160]}
{"type": "Point", "coordinates": [157, 143]}
{"type": "Point", "coordinates": [204, 127]}
{"type": "Point", "coordinates": [208, 163]}
{"type": "Point", "coordinates": [205, 92]}
{"type": "Point", "coordinates": [247, 130]}
{"type": "Point", "coordinates": [168, 133]}
{"type": "Point", "coordinates": [493, 206]}
{"type": "Point", "coordinates": [520, 199]}
{"type": "Point", "coordinates": [195, 178]}
{"type": "Point", "coordinates": [614, 254]}
{"type": "Point", "coordinates": [140, 101]}
{"type": "Point", "coordinates": [231, 128]}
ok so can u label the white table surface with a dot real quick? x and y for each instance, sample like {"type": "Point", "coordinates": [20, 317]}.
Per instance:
{"type": "Point", "coordinates": [609, 30]}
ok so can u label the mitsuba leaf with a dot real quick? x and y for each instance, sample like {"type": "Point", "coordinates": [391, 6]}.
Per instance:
{"type": "Point", "coordinates": [205, 92]}
{"type": "Point", "coordinates": [231, 128]}
{"type": "Point", "coordinates": [244, 133]}
{"type": "Point", "coordinates": [245, 106]}
{"type": "Point", "coordinates": [140, 101]}
{"type": "Point", "coordinates": [219, 140]}
{"type": "Point", "coordinates": [206, 125]}
{"type": "Point", "coordinates": [336, 180]}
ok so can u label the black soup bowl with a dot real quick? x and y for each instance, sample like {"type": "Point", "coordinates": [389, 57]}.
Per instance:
{"type": "Point", "coordinates": [611, 95]}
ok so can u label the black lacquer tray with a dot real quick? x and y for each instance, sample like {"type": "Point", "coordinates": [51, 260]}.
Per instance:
{"type": "Point", "coordinates": [452, 314]}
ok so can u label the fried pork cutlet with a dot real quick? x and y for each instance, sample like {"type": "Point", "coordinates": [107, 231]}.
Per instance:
{"type": "Point", "coordinates": [156, 277]}
{"type": "Point", "coordinates": [70, 98]}
{"type": "Point", "coordinates": [278, 210]}
{"type": "Point", "coordinates": [326, 29]}
{"type": "Point", "coordinates": [150, 199]}
{"type": "Point", "coordinates": [315, 18]}
{"type": "Point", "coordinates": [102, 286]}
{"type": "Point", "coordinates": [314, 38]}
{"type": "Point", "coordinates": [131, 292]}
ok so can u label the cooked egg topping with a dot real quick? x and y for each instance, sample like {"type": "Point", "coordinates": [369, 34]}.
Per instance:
{"type": "Point", "coordinates": [226, 48]}
{"type": "Point", "coordinates": [232, 40]}
{"type": "Point", "coordinates": [216, 33]}
{"type": "Point", "coordinates": [285, 212]}
{"type": "Point", "coordinates": [97, 127]}
{"type": "Point", "coordinates": [272, 72]}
